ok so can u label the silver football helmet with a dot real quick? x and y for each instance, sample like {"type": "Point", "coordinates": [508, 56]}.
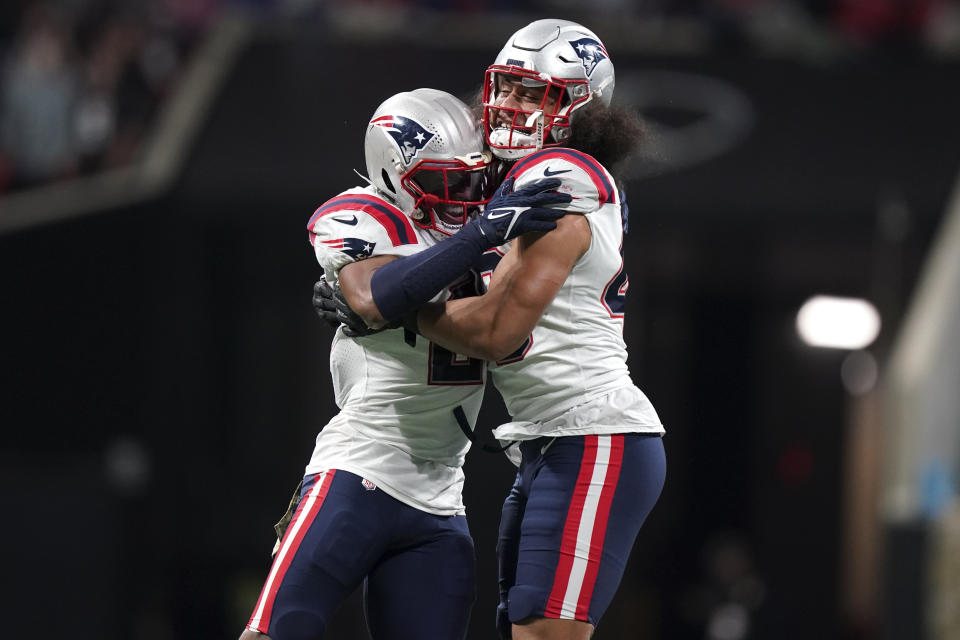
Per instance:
{"type": "Point", "coordinates": [564, 58]}
{"type": "Point", "coordinates": [424, 151]}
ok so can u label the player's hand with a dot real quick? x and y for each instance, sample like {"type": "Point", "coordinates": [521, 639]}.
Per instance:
{"type": "Point", "coordinates": [513, 213]}
{"type": "Point", "coordinates": [332, 307]}
{"type": "Point", "coordinates": [323, 302]}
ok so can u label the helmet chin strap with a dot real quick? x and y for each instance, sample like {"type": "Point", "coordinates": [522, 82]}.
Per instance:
{"type": "Point", "coordinates": [429, 200]}
{"type": "Point", "coordinates": [535, 122]}
{"type": "Point", "coordinates": [562, 134]}
{"type": "Point", "coordinates": [423, 205]}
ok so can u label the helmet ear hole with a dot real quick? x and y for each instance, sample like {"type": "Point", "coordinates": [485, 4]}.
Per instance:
{"type": "Point", "coordinates": [386, 180]}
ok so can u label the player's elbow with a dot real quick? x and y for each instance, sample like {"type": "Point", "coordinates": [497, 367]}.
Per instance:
{"type": "Point", "coordinates": [367, 309]}
{"type": "Point", "coordinates": [362, 303]}
{"type": "Point", "coordinates": [497, 346]}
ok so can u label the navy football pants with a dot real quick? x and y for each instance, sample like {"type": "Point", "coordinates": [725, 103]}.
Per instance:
{"type": "Point", "coordinates": [418, 568]}
{"type": "Point", "coordinates": [569, 523]}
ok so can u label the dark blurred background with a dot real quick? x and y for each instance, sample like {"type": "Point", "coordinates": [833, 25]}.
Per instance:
{"type": "Point", "coordinates": [163, 375]}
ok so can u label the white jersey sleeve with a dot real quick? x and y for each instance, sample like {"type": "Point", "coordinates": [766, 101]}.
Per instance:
{"type": "Point", "coordinates": [358, 224]}
{"type": "Point", "coordinates": [581, 176]}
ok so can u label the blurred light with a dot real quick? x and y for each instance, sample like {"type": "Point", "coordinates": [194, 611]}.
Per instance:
{"type": "Point", "coordinates": [729, 621]}
{"type": "Point", "coordinates": [937, 487]}
{"type": "Point", "coordinates": [94, 123]}
{"type": "Point", "coordinates": [127, 466]}
{"type": "Point", "coordinates": [839, 323]}
{"type": "Point", "coordinates": [859, 372]}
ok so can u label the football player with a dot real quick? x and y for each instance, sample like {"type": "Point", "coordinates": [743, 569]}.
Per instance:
{"type": "Point", "coordinates": [591, 458]}
{"type": "Point", "coordinates": [380, 502]}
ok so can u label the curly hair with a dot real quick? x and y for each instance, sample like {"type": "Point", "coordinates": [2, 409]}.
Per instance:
{"type": "Point", "coordinates": [608, 133]}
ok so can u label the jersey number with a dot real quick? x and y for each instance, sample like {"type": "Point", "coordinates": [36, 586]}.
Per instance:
{"type": "Point", "coordinates": [615, 295]}
{"type": "Point", "coordinates": [448, 368]}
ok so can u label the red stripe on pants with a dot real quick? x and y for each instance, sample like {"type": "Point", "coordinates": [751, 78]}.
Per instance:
{"type": "Point", "coordinates": [299, 525]}
{"type": "Point", "coordinates": [600, 525]}
{"type": "Point", "coordinates": [568, 545]}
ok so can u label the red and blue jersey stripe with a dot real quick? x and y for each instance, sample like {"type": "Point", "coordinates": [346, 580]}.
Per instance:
{"type": "Point", "coordinates": [606, 192]}
{"type": "Point", "coordinates": [393, 220]}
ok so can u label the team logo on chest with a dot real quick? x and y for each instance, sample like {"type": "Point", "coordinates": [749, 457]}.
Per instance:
{"type": "Point", "coordinates": [590, 52]}
{"type": "Point", "coordinates": [409, 135]}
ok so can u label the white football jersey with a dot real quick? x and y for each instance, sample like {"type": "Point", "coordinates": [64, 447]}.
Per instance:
{"type": "Point", "coordinates": [570, 377]}
{"type": "Point", "coordinates": [396, 425]}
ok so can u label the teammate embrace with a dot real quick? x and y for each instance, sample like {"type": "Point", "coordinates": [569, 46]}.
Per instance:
{"type": "Point", "coordinates": [478, 247]}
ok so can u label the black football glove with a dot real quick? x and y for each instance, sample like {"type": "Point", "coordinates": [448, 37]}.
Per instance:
{"type": "Point", "coordinates": [513, 213]}
{"type": "Point", "coordinates": [332, 307]}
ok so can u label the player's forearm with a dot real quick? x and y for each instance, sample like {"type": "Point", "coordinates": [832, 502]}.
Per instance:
{"type": "Point", "coordinates": [354, 280]}
{"type": "Point", "coordinates": [410, 282]}
{"type": "Point", "coordinates": [461, 326]}
{"type": "Point", "coordinates": [478, 327]}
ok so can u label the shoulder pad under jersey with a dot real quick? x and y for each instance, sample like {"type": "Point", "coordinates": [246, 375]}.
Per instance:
{"type": "Point", "coordinates": [356, 225]}
{"type": "Point", "coordinates": [590, 184]}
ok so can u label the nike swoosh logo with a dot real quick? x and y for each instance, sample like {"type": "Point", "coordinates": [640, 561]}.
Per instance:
{"type": "Point", "coordinates": [352, 220]}
{"type": "Point", "coordinates": [547, 173]}
{"type": "Point", "coordinates": [501, 213]}
{"type": "Point", "coordinates": [544, 448]}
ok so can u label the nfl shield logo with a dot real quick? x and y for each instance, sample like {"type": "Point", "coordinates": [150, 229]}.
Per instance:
{"type": "Point", "coordinates": [369, 486]}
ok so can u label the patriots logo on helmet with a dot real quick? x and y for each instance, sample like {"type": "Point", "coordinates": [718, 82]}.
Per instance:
{"type": "Point", "coordinates": [409, 135]}
{"type": "Point", "coordinates": [356, 248]}
{"type": "Point", "coordinates": [591, 53]}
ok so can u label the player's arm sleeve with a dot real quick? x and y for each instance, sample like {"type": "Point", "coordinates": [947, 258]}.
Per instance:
{"type": "Point", "coordinates": [401, 287]}
{"type": "Point", "coordinates": [525, 282]}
